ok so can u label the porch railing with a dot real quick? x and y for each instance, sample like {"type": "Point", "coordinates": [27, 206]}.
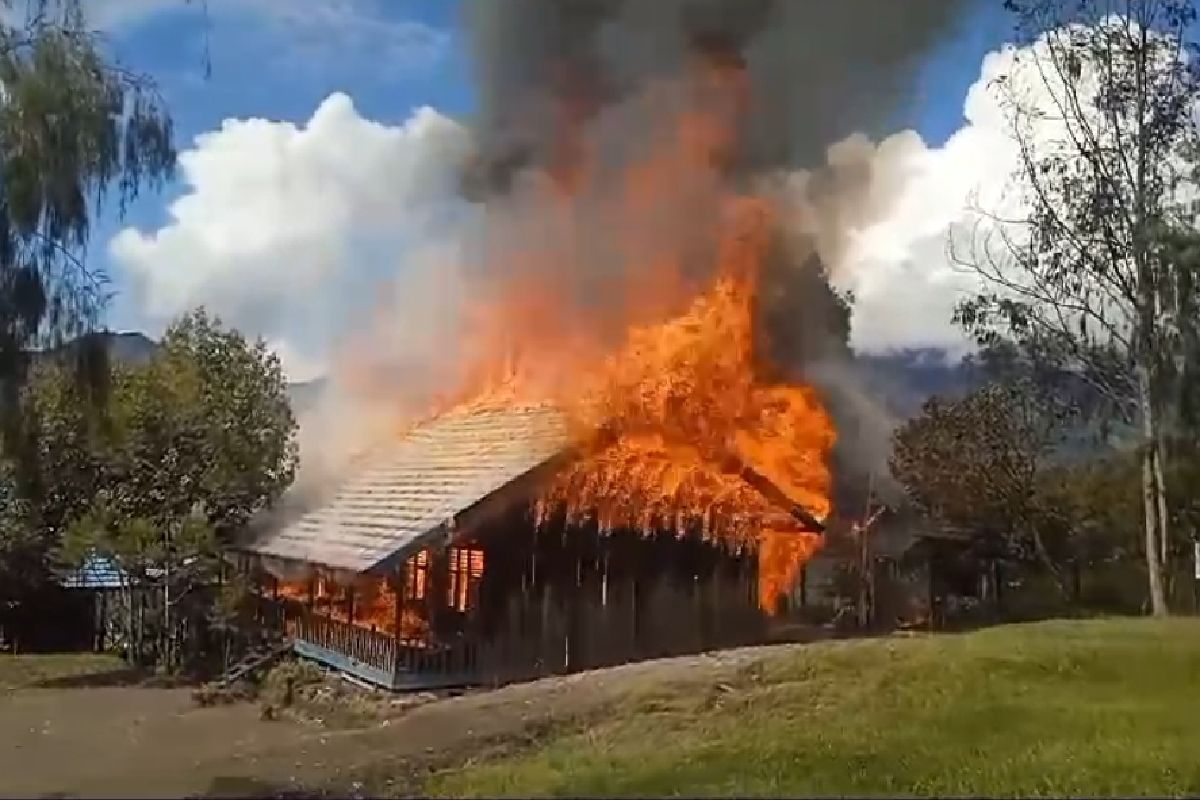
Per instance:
{"type": "Point", "coordinates": [369, 647]}
{"type": "Point", "coordinates": [409, 662]}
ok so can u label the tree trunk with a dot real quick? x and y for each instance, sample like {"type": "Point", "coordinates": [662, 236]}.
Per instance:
{"type": "Point", "coordinates": [1164, 521]}
{"type": "Point", "coordinates": [997, 589]}
{"type": "Point", "coordinates": [130, 650]}
{"type": "Point", "coordinates": [1158, 601]}
{"type": "Point", "coordinates": [864, 580]}
{"type": "Point", "coordinates": [1196, 576]}
{"type": "Point", "coordinates": [1152, 493]}
{"type": "Point", "coordinates": [165, 655]}
{"type": "Point", "coordinates": [1043, 555]}
{"type": "Point", "coordinates": [137, 603]}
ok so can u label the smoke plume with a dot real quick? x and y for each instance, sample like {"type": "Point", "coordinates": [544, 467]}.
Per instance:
{"type": "Point", "coordinates": [557, 79]}
{"type": "Point", "coordinates": [818, 71]}
{"type": "Point", "coordinates": [573, 92]}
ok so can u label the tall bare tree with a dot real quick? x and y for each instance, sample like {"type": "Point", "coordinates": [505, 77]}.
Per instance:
{"type": "Point", "coordinates": [1077, 263]}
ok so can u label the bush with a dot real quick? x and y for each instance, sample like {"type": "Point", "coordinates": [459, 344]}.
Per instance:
{"type": "Point", "coordinates": [287, 679]}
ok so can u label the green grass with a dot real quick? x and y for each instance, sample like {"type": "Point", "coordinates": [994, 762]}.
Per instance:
{"type": "Point", "coordinates": [1104, 707]}
{"type": "Point", "coordinates": [27, 671]}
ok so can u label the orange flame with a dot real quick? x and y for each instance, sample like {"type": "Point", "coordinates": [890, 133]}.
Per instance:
{"type": "Point", "coordinates": [682, 395]}
{"type": "Point", "coordinates": [660, 353]}
{"type": "Point", "coordinates": [370, 601]}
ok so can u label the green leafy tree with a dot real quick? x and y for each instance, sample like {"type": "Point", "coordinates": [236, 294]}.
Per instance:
{"type": "Point", "coordinates": [1097, 503]}
{"type": "Point", "coordinates": [44, 494]}
{"type": "Point", "coordinates": [974, 466]}
{"type": "Point", "coordinates": [191, 445]}
{"type": "Point", "coordinates": [66, 436]}
{"type": "Point", "coordinates": [1092, 506]}
{"type": "Point", "coordinates": [248, 429]}
{"type": "Point", "coordinates": [77, 131]}
{"type": "Point", "coordinates": [75, 128]}
{"type": "Point", "coordinates": [174, 559]}
{"type": "Point", "coordinates": [23, 556]}
{"type": "Point", "coordinates": [1100, 108]}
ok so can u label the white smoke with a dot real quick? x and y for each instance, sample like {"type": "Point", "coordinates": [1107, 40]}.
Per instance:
{"type": "Point", "coordinates": [287, 231]}
{"type": "Point", "coordinates": [881, 216]}
{"type": "Point", "coordinates": [332, 240]}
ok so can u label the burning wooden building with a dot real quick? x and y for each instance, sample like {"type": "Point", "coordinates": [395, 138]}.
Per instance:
{"type": "Point", "coordinates": [434, 566]}
{"type": "Point", "coordinates": [619, 473]}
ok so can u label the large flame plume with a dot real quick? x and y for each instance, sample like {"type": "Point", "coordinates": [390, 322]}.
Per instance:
{"type": "Point", "coordinates": [659, 373]}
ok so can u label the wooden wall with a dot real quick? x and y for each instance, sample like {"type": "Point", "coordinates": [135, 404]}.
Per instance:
{"type": "Point", "coordinates": [564, 599]}
{"type": "Point", "coordinates": [552, 600]}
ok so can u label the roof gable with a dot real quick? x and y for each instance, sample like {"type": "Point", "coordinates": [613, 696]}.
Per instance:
{"type": "Point", "coordinates": [407, 492]}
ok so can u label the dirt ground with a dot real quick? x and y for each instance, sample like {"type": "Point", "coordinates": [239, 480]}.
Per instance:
{"type": "Point", "coordinates": [133, 741]}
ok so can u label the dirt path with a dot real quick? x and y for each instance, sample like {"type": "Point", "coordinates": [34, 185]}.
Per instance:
{"type": "Point", "coordinates": [140, 742]}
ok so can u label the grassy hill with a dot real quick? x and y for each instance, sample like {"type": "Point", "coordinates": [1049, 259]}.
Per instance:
{"type": "Point", "coordinates": [1083, 708]}
{"type": "Point", "coordinates": [1095, 708]}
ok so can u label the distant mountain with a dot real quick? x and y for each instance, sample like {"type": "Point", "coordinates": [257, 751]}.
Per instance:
{"type": "Point", "coordinates": [128, 347]}
{"type": "Point", "coordinates": [132, 347]}
{"type": "Point", "coordinates": [905, 379]}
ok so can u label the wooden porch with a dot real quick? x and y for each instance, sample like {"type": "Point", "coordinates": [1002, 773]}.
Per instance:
{"type": "Point", "coordinates": [383, 660]}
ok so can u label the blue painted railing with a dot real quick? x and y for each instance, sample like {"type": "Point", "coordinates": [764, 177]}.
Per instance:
{"type": "Point", "coordinates": [379, 658]}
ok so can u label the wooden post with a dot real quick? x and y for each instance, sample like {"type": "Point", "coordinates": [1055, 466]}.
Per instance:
{"type": "Point", "coordinates": [350, 603]}
{"type": "Point", "coordinates": [998, 587]}
{"type": "Point", "coordinates": [864, 568]}
{"type": "Point", "coordinates": [545, 647]}
{"type": "Point", "coordinates": [437, 587]}
{"type": "Point", "coordinates": [102, 615]}
{"type": "Point", "coordinates": [401, 590]}
{"type": "Point", "coordinates": [864, 559]}
{"type": "Point", "coordinates": [929, 563]}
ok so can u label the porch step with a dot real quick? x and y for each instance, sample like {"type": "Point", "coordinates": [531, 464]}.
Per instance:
{"type": "Point", "coordinates": [255, 660]}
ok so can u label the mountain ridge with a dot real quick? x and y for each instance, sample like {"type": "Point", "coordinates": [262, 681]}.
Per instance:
{"type": "Point", "coordinates": [135, 348]}
{"type": "Point", "coordinates": [904, 379]}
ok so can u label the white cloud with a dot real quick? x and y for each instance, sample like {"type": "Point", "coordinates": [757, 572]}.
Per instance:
{"type": "Point", "coordinates": [323, 33]}
{"type": "Point", "coordinates": [286, 230]}
{"type": "Point", "coordinates": [318, 35]}
{"type": "Point", "coordinates": [882, 215]}
{"type": "Point", "coordinates": [289, 231]}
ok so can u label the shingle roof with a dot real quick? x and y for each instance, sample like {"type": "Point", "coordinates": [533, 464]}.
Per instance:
{"type": "Point", "coordinates": [406, 491]}
{"type": "Point", "coordinates": [97, 572]}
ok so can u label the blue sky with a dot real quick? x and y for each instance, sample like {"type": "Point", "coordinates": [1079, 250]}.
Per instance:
{"type": "Point", "coordinates": [279, 59]}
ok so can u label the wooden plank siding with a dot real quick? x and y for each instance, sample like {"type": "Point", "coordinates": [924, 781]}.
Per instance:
{"type": "Point", "coordinates": [552, 597]}
{"type": "Point", "coordinates": [554, 601]}
{"type": "Point", "coordinates": [405, 494]}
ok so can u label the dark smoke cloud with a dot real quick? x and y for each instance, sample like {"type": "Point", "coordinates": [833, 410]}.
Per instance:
{"type": "Point", "coordinates": [818, 71]}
